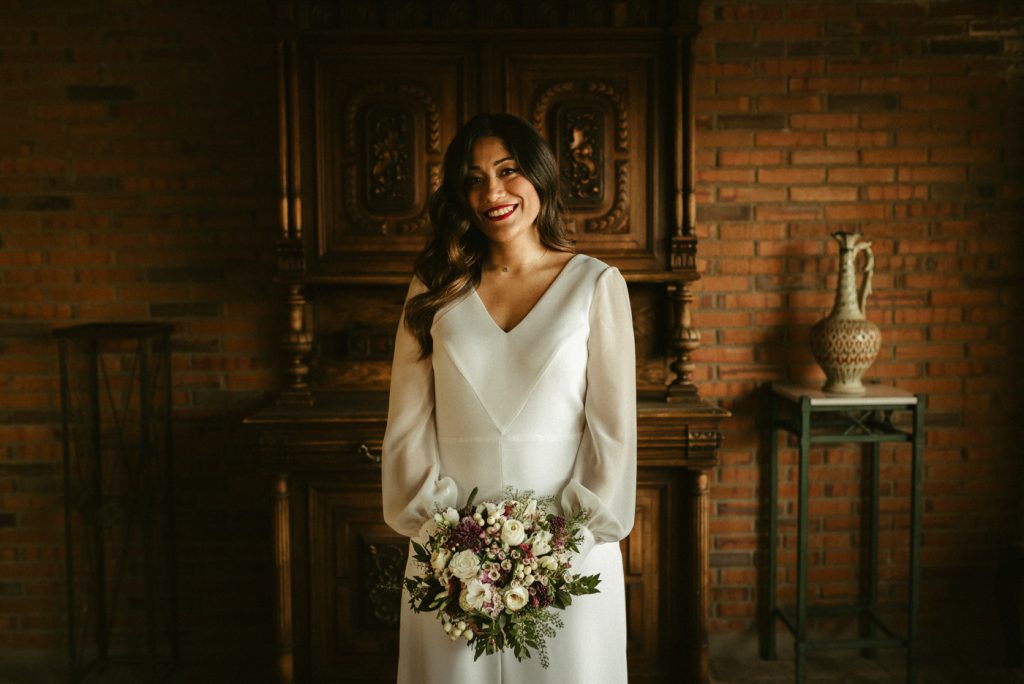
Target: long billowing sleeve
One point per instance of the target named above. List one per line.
(604, 476)
(411, 478)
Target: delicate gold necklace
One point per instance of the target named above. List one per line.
(504, 269)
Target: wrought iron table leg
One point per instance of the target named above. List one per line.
(803, 504)
(769, 650)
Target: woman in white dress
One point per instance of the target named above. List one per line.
(514, 366)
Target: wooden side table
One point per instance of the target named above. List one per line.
(817, 417)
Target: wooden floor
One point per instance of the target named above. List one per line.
(847, 669)
(734, 661)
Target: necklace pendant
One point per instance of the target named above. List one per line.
(504, 269)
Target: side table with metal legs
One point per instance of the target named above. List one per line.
(116, 406)
(816, 417)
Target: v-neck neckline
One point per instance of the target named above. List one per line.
(536, 305)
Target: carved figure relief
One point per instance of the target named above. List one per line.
(593, 165)
(392, 136)
(580, 136)
(389, 177)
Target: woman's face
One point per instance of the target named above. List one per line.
(504, 202)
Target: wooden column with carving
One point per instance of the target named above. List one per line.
(283, 572)
(684, 338)
(297, 341)
(699, 528)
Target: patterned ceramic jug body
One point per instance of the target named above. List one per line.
(845, 343)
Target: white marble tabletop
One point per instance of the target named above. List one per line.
(874, 395)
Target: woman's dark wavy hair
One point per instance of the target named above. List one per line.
(452, 261)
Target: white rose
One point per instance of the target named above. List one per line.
(513, 533)
(549, 563)
(439, 559)
(451, 516)
(516, 598)
(540, 543)
(465, 565)
(476, 593)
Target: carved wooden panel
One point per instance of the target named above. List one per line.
(597, 107)
(352, 553)
(356, 337)
(381, 121)
(641, 568)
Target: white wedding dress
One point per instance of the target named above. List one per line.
(548, 406)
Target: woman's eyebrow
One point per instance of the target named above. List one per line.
(476, 167)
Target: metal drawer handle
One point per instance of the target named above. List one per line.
(365, 452)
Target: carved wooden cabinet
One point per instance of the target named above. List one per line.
(333, 550)
(367, 121)
(370, 94)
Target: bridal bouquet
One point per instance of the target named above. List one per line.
(494, 571)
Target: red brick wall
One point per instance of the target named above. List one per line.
(902, 120)
(138, 181)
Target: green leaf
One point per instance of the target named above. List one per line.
(420, 553)
(439, 601)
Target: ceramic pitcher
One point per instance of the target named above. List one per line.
(845, 343)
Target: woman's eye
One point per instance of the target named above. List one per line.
(508, 171)
(473, 180)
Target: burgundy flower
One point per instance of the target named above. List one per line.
(556, 526)
(454, 589)
(542, 597)
(467, 535)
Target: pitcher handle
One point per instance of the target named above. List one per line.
(869, 269)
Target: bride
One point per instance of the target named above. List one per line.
(513, 366)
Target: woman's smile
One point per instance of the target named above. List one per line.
(501, 212)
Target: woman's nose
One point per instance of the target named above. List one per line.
(495, 188)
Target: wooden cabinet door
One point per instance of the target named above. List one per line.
(354, 620)
(655, 578)
(598, 104)
(642, 570)
(378, 118)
